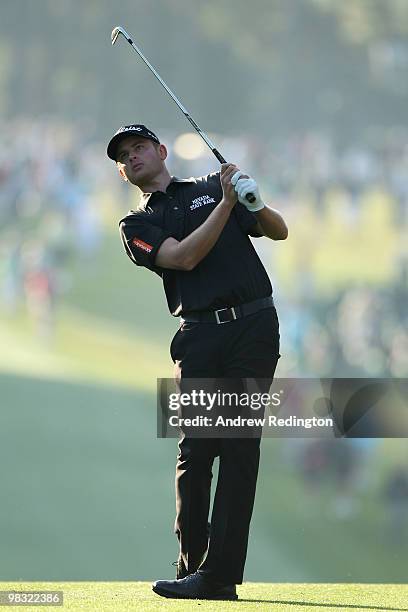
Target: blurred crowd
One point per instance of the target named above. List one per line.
(59, 194)
(50, 185)
(343, 312)
(341, 280)
(358, 332)
(351, 479)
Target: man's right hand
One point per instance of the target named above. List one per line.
(229, 194)
(187, 253)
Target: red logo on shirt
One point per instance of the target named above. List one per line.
(140, 244)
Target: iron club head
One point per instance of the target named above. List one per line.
(114, 35)
(119, 30)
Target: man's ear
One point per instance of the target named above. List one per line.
(162, 152)
(122, 172)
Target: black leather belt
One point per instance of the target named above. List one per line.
(226, 315)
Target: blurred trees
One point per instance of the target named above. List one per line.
(265, 66)
(318, 63)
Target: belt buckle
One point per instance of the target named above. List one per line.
(217, 316)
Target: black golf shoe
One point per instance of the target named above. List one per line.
(194, 586)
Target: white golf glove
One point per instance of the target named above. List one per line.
(244, 186)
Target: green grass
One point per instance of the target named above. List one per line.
(84, 482)
(130, 596)
(88, 494)
(304, 525)
(85, 348)
(87, 489)
(112, 287)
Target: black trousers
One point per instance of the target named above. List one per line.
(244, 348)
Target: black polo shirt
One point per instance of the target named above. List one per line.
(230, 274)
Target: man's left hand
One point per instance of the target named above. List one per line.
(246, 185)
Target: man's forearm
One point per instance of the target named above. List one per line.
(199, 243)
(271, 223)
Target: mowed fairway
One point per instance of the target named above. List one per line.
(124, 596)
(87, 489)
(79, 493)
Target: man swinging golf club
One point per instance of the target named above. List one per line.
(194, 233)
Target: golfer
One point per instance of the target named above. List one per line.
(194, 233)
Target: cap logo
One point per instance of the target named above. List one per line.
(133, 128)
(140, 129)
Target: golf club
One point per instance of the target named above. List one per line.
(119, 30)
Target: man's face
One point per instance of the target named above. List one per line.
(140, 160)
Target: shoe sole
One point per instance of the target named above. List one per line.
(171, 595)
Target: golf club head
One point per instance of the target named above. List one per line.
(115, 33)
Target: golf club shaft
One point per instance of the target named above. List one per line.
(119, 30)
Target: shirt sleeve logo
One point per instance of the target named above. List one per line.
(140, 244)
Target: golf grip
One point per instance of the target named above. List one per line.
(249, 196)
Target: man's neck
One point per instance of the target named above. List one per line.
(158, 183)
